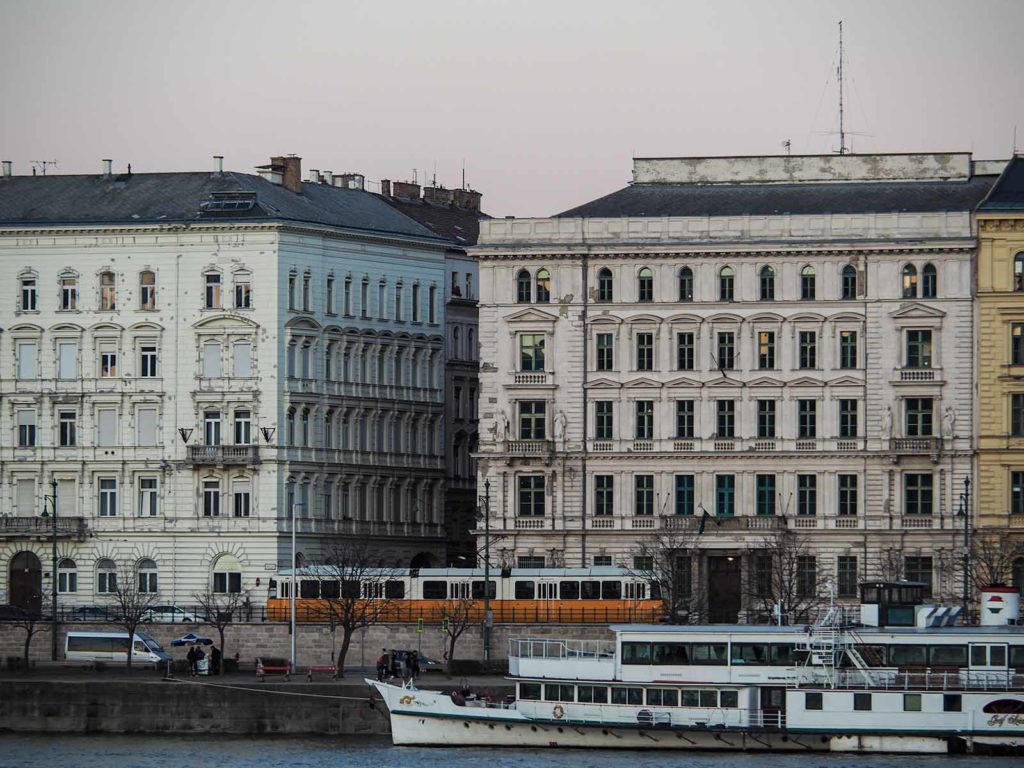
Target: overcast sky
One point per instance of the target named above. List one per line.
(546, 102)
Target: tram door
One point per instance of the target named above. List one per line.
(773, 707)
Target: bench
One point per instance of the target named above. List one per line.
(311, 670)
(272, 665)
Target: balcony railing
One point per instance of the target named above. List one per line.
(221, 455)
(42, 527)
(529, 447)
(915, 446)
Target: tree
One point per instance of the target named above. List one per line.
(132, 603)
(31, 623)
(785, 573)
(992, 558)
(459, 614)
(356, 591)
(219, 609)
(666, 561)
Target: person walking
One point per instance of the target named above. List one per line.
(382, 665)
(414, 665)
(191, 656)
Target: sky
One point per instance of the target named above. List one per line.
(543, 103)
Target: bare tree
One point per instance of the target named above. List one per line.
(666, 561)
(459, 614)
(31, 623)
(992, 558)
(219, 609)
(785, 573)
(889, 565)
(132, 603)
(356, 589)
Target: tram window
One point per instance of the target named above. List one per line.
(590, 590)
(458, 590)
(592, 694)
(671, 653)
(373, 590)
(569, 590)
(556, 692)
(908, 655)
(812, 700)
(782, 654)
(436, 590)
(751, 653)
(478, 590)
(631, 696)
(394, 589)
(330, 589)
(636, 653)
(309, 588)
(729, 699)
(636, 590)
(528, 691)
(947, 655)
(1017, 657)
(655, 591)
(525, 590)
(350, 588)
(610, 590)
(709, 653)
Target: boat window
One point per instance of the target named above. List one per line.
(911, 702)
(529, 691)
(592, 694)
(662, 697)
(611, 590)
(952, 702)
(870, 595)
(556, 692)
(1017, 657)
(478, 590)
(309, 588)
(813, 700)
(435, 590)
(1004, 707)
(330, 589)
(690, 698)
(632, 696)
(988, 655)
(947, 655)
(394, 589)
(751, 653)
(729, 699)
(671, 653)
(525, 590)
(862, 702)
(590, 590)
(570, 590)
(709, 653)
(636, 653)
(783, 654)
(908, 655)
(709, 698)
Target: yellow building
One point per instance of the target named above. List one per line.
(1000, 374)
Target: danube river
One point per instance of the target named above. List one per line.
(61, 751)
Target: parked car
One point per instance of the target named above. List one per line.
(95, 613)
(170, 614)
(17, 613)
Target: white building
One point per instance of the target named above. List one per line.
(192, 356)
(777, 341)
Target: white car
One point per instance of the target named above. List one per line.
(170, 614)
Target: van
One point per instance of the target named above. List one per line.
(112, 647)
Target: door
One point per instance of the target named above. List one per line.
(724, 596)
(26, 582)
(773, 707)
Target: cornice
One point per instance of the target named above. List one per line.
(639, 251)
(1001, 223)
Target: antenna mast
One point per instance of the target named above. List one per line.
(839, 77)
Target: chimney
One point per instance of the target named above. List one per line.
(466, 198)
(407, 189)
(437, 195)
(314, 176)
(385, 187)
(328, 178)
(218, 163)
(108, 169)
(7, 166)
(291, 172)
(357, 181)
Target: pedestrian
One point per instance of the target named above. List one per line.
(382, 664)
(201, 668)
(396, 669)
(247, 605)
(191, 660)
(414, 665)
(215, 661)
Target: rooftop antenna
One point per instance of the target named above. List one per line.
(414, 179)
(41, 165)
(839, 77)
(787, 145)
(464, 164)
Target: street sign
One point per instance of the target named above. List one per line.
(445, 626)
(419, 624)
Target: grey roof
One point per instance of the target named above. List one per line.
(1008, 193)
(460, 225)
(151, 198)
(641, 200)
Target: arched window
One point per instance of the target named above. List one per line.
(848, 278)
(909, 282)
(67, 576)
(1018, 272)
(456, 352)
(289, 359)
(523, 287)
(289, 421)
(543, 286)
(686, 284)
(645, 285)
(147, 577)
(108, 292)
(807, 286)
(605, 285)
(147, 290)
(726, 284)
(470, 344)
(767, 284)
(304, 428)
(929, 282)
(227, 575)
(106, 577)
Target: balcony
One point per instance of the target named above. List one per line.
(917, 521)
(42, 528)
(530, 447)
(915, 375)
(223, 455)
(914, 446)
(532, 379)
(643, 445)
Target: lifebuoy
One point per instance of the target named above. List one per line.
(558, 712)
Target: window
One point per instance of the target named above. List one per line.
(918, 412)
(725, 495)
(243, 427)
(26, 420)
(726, 284)
(848, 282)
(919, 569)
(543, 286)
(531, 352)
(147, 361)
(929, 282)
(242, 359)
(67, 429)
(765, 350)
(911, 702)
(643, 495)
(808, 350)
(766, 283)
(241, 497)
(952, 702)
(107, 496)
(28, 359)
(531, 495)
(604, 495)
(847, 349)
(726, 418)
(1017, 415)
(416, 302)
(685, 351)
(763, 575)
(399, 317)
(919, 349)
(917, 494)
(605, 285)
(523, 287)
(806, 575)
(211, 427)
(847, 418)
(364, 298)
(147, 577)
(108, 292)
(469, 285)
(69, 293)
(807, 287)
(1017, 343)
(29, 295)
(645, 351)
(145, 421)
(846, 576)
(532, 417)
(605, 352)
(108, 360)
(1018, 272)
(686, 284)
(766, 418)
(645, 285)
(603, 419)
(291, 292)
(106, 577)
(684, 494)
(862, 702)
(807, 495)
(306, 303)
(909, 282)
(1017, 493)
(211, 498)
(530, 561)
(813, 701)
(227, 575)
(765, 494)
(67, 360)
(644, 420)
(148, 497)
(726, 350)
(847, 501)
(807, 419)
(67, 576)
(432, 304)
(211, 359)
(347, 298)
(25, 499)
(243, 291)
(684, 419)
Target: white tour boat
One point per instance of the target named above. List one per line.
(899, 676)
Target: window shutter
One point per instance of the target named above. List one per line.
(27, 497)
(66, 497)
(27, 359)
(106, 421)
(211, 359)
(67, 353)
(146, 423)
(243, 359)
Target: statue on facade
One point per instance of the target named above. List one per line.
(948, 422)
(887, 423)
(561, 425)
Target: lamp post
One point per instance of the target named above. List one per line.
(291, 594)
(52, 498)
(487, 571)
(965, 510)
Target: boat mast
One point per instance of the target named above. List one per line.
(839, 77)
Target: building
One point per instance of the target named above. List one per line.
(1000, 365)
(189, 359)
(729, 347)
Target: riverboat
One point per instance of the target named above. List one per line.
(895, 675)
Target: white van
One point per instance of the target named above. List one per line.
(112, 647)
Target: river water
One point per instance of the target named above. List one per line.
(103, 751)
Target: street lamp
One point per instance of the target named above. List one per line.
(291, 660)
(52, 498)
(965, 512)
(487, 571)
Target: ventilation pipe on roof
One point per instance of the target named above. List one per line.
(108, 169)
(218, 163)
(314, 176)
(385, 187)
(7, 166)
(328, 178)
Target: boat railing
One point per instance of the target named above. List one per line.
(535, 648)
(890, 678)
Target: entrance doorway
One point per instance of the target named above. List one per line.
(773, 707)
(724, 597)
(26, 582)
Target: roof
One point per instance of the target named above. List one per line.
(655, 199)
(459, 225)
(1008, 192)
(160, 198)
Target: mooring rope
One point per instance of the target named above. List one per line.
(368, 698)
